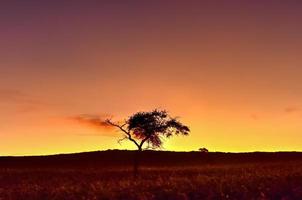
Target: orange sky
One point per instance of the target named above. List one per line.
(231, 70)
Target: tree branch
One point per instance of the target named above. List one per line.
(122, 139)
(143, 141)
(128, 135)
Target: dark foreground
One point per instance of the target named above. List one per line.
(163, 175)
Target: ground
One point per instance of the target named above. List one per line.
(186, 175)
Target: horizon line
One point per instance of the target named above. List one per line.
(193, 151)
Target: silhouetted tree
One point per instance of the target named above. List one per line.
(149, 128)
(203, 150)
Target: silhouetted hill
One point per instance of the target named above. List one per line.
(122, 158)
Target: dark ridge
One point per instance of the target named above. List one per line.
(122, 158)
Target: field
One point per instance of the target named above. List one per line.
(163, 175)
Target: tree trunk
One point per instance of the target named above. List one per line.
(136, 162)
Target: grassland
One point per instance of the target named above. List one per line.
(197, 176)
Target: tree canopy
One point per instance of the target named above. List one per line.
(150, 128)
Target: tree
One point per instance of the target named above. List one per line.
(203, 150)
(149, 128)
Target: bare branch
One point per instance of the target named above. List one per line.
(124, 131)
(122, 139)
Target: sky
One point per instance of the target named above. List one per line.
(231, 70)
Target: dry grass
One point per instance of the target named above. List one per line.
(238, 181)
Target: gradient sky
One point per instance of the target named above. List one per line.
(231, 69)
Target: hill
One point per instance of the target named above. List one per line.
(116, 158)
